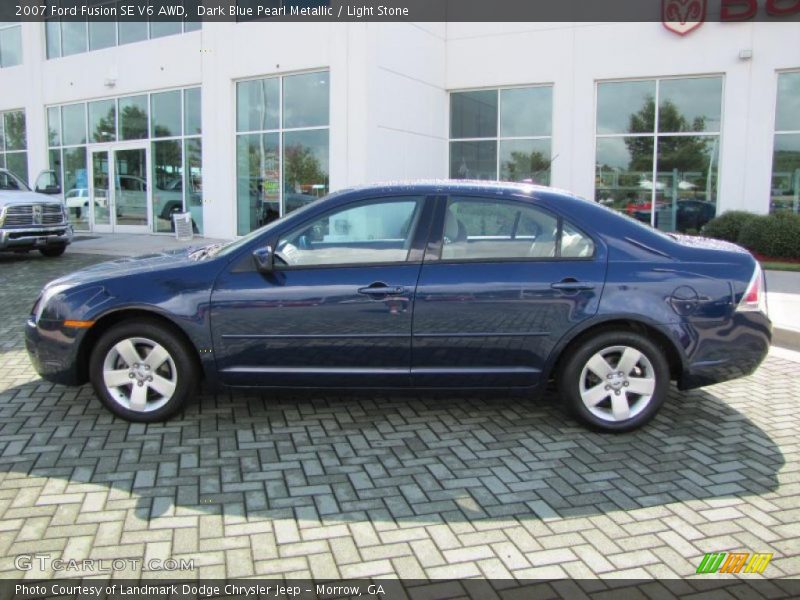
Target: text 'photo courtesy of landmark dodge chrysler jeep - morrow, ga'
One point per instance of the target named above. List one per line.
(31, 220)
(444, 284)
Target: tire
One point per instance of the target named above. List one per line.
(53, 251)
(601, 394)
(136, 398)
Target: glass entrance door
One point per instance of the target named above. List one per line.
(120, 192)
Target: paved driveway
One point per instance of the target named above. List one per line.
(416, 486)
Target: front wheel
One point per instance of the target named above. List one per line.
(142, 371)
(53, 251)
(615, 381)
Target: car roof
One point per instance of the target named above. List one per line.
(454, 185)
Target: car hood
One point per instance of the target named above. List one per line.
(8, 197)
(158, 261)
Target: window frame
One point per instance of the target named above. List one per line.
(435, 247)
(778, 132)
(498, 139)
(419, 236)
(656, 134)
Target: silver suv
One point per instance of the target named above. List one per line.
(31, 220)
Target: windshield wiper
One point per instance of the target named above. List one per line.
(206, 251)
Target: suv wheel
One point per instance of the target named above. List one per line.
(142, 371)
(615, 381)
(53, 251)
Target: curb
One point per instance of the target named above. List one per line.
(786, 338)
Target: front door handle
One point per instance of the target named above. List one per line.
(572, 285)
(381, 289)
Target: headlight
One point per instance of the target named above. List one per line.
(48, 294)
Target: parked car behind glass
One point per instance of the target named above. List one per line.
(465, 285)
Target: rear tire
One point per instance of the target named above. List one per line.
(53, 251)
(142, 371)
(615, 381)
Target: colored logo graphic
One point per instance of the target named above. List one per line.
(683, 16)
(733, 562)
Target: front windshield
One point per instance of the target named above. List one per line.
(11, 183)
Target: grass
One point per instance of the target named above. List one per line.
(772, 265)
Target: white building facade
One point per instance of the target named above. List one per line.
(239, 123)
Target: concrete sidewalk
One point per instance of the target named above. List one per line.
(783, 304)
(130, 244)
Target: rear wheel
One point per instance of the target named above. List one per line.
(142, 371)
(53, 251)
(615, 381)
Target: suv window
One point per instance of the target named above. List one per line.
(483, 229)
(10, 183)
(376, 231)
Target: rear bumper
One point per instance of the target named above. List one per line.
(728, 352)
(34, 238)
(53, 352)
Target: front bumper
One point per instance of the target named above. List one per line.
(53, 351)
(34, 238)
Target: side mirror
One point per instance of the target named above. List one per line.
(50, 190)
(264, 258)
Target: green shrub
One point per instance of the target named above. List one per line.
(728, 225)
(775, 235)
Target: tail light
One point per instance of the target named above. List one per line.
(755, 296)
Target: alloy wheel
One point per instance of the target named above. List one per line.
(139, 374)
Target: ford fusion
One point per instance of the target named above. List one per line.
(448, 285)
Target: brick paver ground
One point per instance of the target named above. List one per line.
(415, 486)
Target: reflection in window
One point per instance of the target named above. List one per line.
(519, 151)
(785, 192)
(280, 169)
(13, 143)
(73, 124)
(133, 118)
(374, 232)
(165, 114)
(167, 182)
(657, 150)
(10, 44)
(103, 121)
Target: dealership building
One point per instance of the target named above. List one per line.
(239, 123)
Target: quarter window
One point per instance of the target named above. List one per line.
(657, 150)
(375, 232)
(785, 196)
(482, 229)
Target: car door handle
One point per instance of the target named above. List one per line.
(571, 285)
(381, 289)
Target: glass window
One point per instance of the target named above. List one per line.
(305, 100)
(658, 174)
(73, 37)
(305, 167)
(689, 104)
(375, 232)
(575, 243)
(17, 163)
(473, 160)
(192, 26)
(161, 28)
(165, 114)
(53, 38)
(54, 126)
(76, 187)
(103, 121)
(73, 124)
(10, 46)
(193, 180)
(482, 228)
(257, 105)
(131, 31)
(473, 114)
(14, 130)
(192, 112)
(133, 117)
(102, 34)
(526, 111)
(525, 160)
(167, 183)
(626, 107)
(258, 180)
(788, 111)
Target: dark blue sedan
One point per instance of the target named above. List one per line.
(447, 285)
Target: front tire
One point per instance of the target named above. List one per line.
(615, 381)
(53, 251)
(142, 371)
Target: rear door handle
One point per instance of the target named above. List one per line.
(381, 289)
(572, 286)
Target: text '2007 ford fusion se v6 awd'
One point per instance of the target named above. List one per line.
(456, 285)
